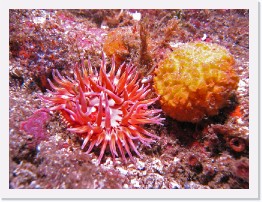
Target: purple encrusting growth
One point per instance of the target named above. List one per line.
(35, 126)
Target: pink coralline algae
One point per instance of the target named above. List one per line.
(35, 126)
(106, 107)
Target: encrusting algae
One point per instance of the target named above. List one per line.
(195, 81)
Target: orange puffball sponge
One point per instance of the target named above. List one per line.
(195, 81)
(116, 45)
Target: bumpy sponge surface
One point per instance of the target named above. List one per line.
(195, 81)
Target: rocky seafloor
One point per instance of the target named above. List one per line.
(212, 154)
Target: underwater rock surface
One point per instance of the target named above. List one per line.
(211, 154)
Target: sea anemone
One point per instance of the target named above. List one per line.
(106, 107)
(195, 81)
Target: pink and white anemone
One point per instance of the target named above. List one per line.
(107, 107)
